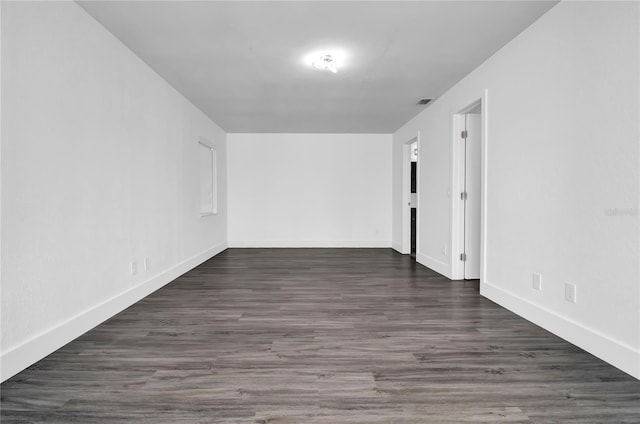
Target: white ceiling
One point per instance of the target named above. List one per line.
(242, 64)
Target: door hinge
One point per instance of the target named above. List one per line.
(463, 195)
(463, 257)
(464, 134)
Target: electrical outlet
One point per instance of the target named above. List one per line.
(147, 264)
(134, 267)
(536, 281)
(444, 249)
(570, 293)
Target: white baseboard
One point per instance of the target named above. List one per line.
(434, 264)
(397, 246)
(22, 356)
(311, 243)
(618, 354)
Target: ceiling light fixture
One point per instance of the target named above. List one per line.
(325, 60)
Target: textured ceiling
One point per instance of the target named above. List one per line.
(242, 64)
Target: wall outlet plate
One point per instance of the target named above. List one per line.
(570, 293)
(536, 281)
(134, 268)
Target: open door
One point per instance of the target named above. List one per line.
(471, 195)
(468, 191)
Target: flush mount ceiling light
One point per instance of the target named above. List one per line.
(325, 60)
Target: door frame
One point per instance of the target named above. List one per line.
(406, 195)
(457, 185)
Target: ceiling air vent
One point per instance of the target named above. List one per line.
(423, 102)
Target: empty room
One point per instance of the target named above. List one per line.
(328, 212)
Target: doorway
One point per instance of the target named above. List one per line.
(413, 197)
(410, 197)
(468, 192)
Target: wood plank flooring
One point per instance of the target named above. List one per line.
(318, 336)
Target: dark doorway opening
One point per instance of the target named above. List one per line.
(414, 217)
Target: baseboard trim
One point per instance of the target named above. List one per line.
(24, 355)
(620, 355)
(311, 243)
(434, 264)
(397, 246)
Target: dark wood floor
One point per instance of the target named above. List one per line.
(319, 336)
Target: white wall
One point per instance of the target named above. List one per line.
(298, 190)
(562, 167)
(99, 169)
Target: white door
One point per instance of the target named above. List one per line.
(472, 204)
